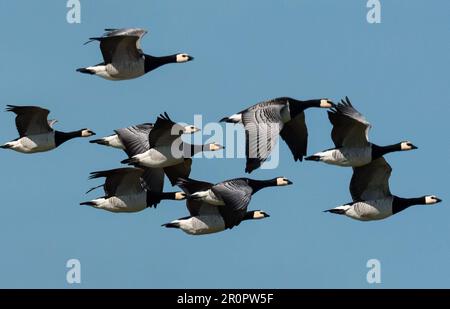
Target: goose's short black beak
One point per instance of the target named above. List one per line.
(438, 200)
(289, 182)
(266, 215)
(190, 58)
(414, 147)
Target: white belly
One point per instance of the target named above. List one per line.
(34, 143)
(203, 224)
(371, 210)
(126, 203)
(347, 156)
(159, 157)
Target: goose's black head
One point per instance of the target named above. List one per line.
(213, 147)
(194, 149)
(326, 103)
(379, 151)
(322, 103)
(407, 145)
(282, 181)
(86, 132)
(256, 215)
(152, 62)
(62, 137)
(257, 185)
(296, 107)
(400, 204)
(180, 58)
(431, 199)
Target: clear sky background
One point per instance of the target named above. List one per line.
(396, 73)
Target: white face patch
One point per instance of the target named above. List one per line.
(183, 58)
(325, 103)
(431, 199)
(190, 129)
(281, 181)
(180, 196)
(258, 215)
(87, 133)
(407, 145)
(214, 147)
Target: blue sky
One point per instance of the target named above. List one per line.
(395, 72)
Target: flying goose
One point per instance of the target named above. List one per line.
(163, 148)
(114, 141)
(350, 135)
(372, 199)
(36, 132)
(263, 122)
(123, 57)
(129, 190)
(214, 208)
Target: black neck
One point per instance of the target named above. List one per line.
(154, 198)
(152, 62)
(379, 151)
(62, 137)
(399, 204)
(257, 185)
(248, 215)
(190, 150)
(296, 107)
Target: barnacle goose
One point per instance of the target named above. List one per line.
(36, 132)
(350, 135)
(123, 57)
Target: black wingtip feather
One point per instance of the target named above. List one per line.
(95, 175)
(10, 108)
